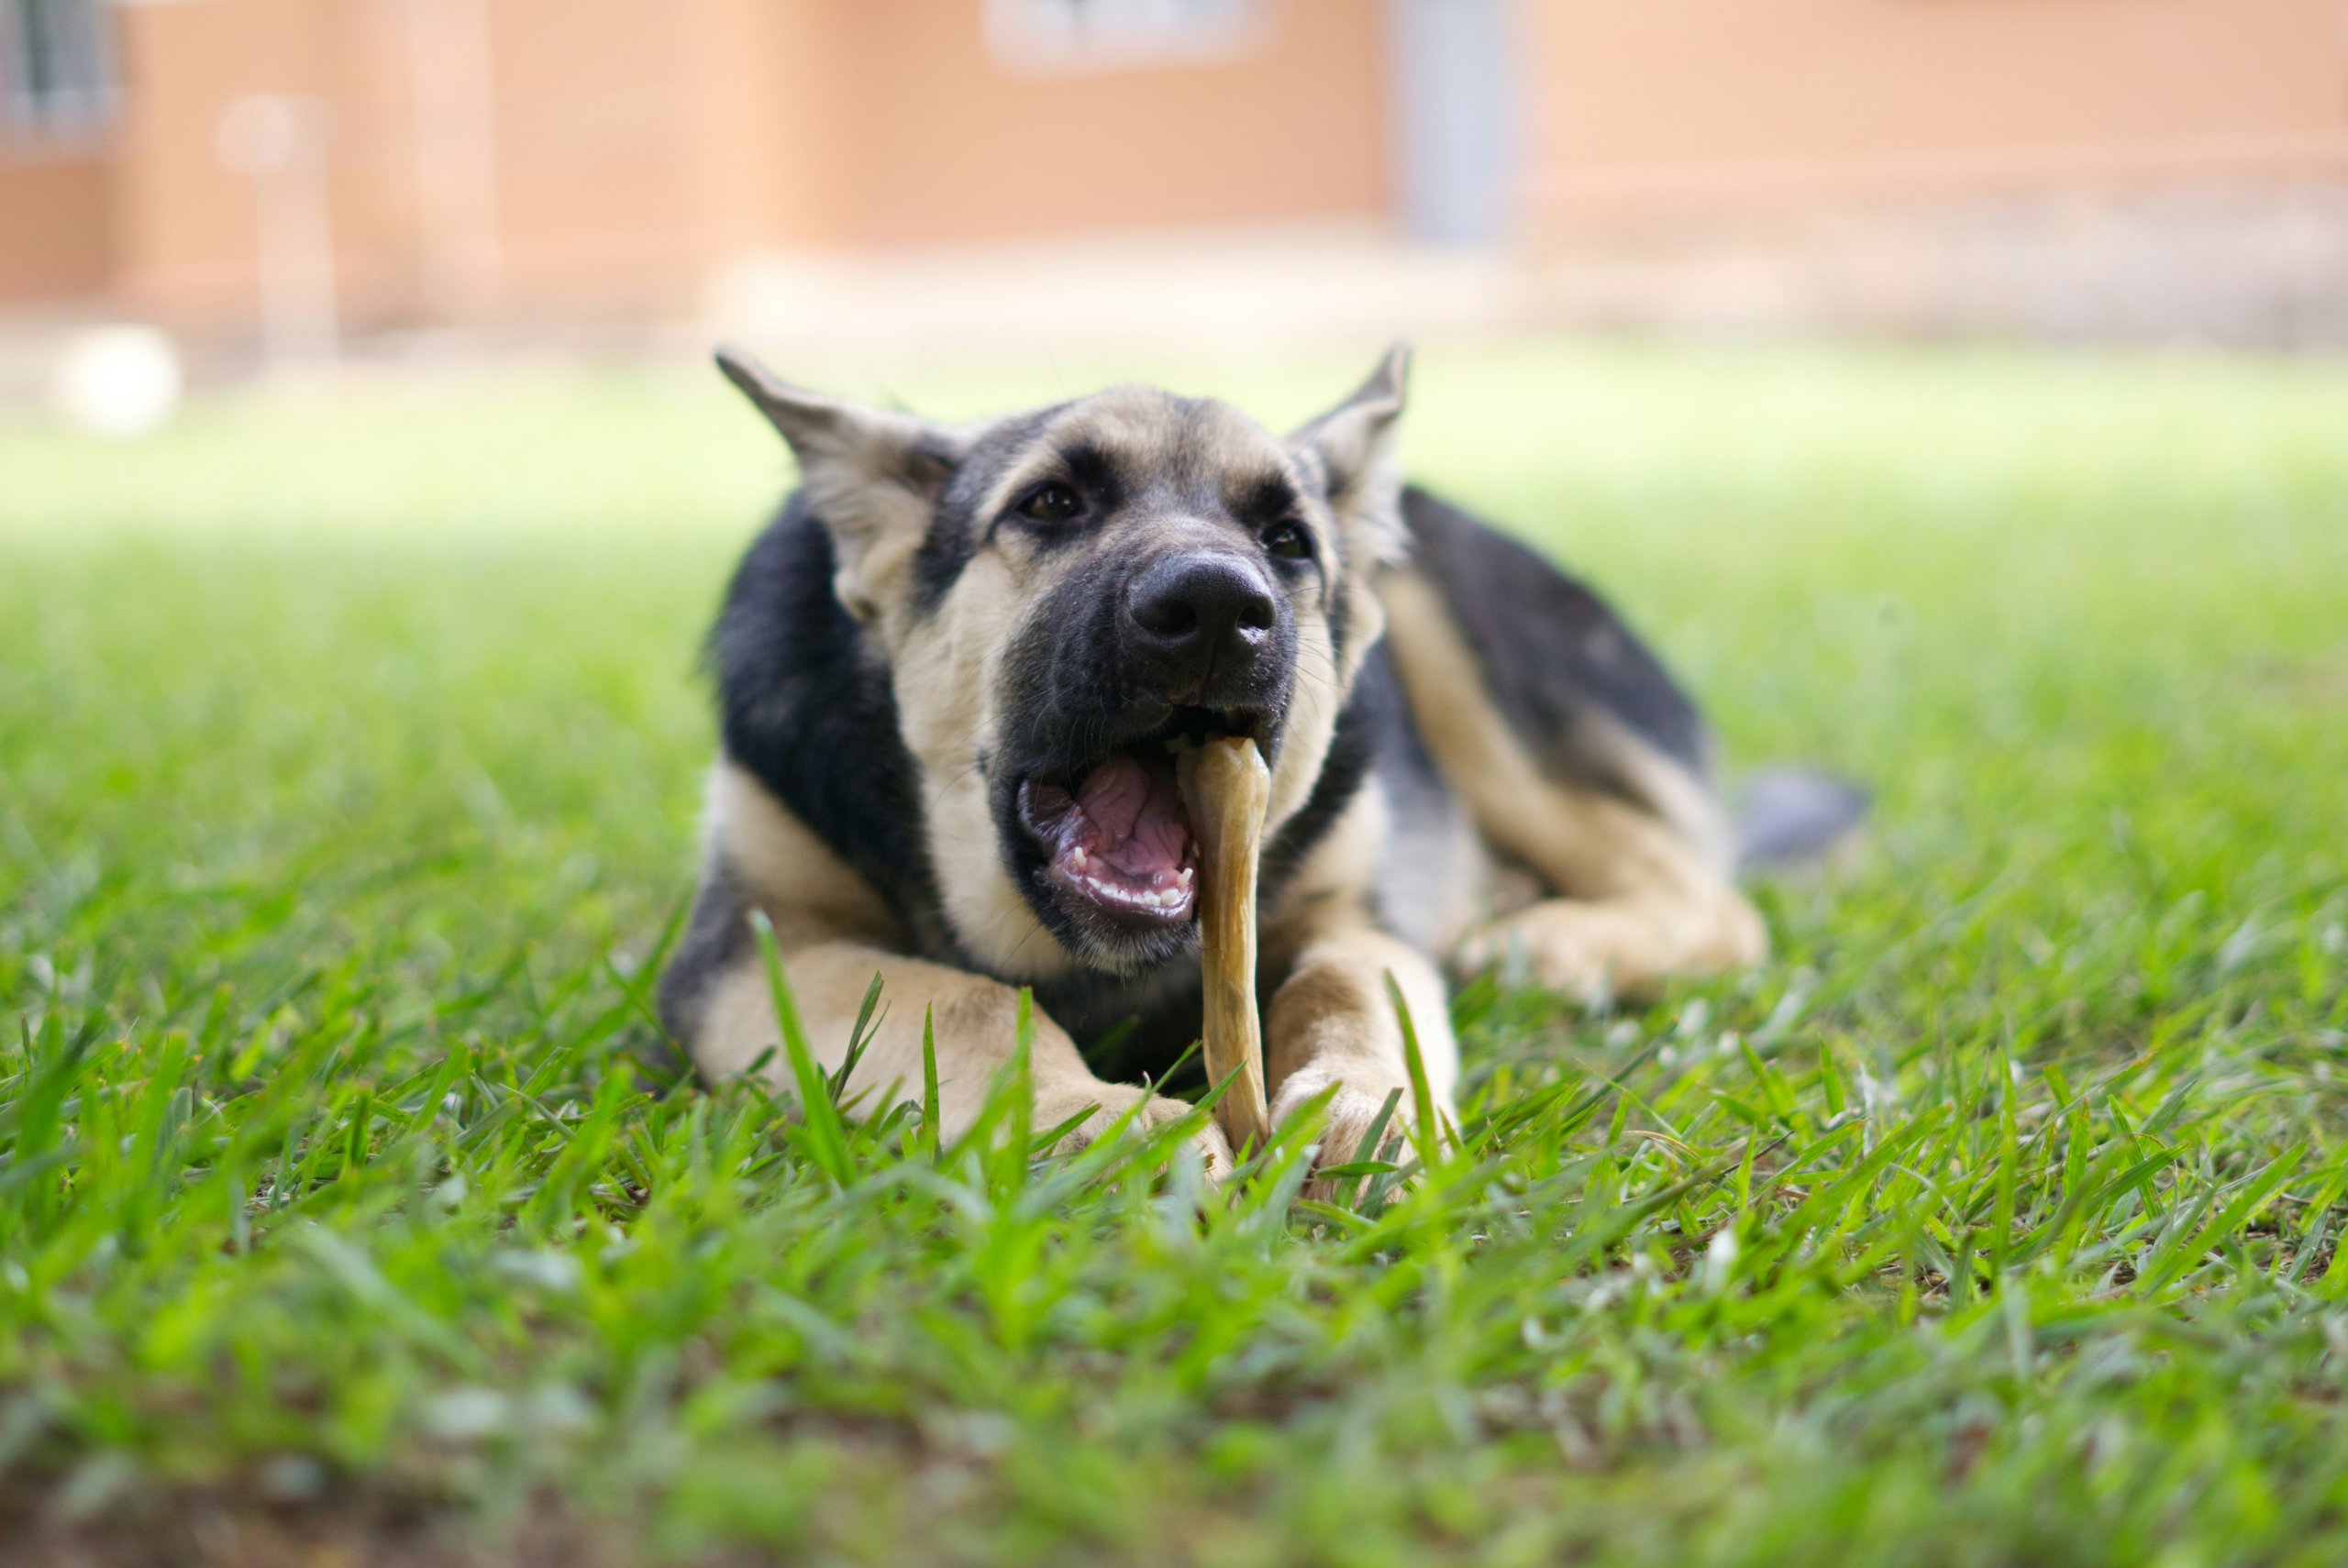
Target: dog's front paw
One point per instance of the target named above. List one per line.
(1360, 1099)
(1110, 1101)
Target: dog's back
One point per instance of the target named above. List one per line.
(1586, 769)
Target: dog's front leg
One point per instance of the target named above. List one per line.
(1333, 1022)
(976, 1032)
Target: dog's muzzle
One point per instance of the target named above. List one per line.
(1199, 644)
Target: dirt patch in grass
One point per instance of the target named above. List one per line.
(220, 1529)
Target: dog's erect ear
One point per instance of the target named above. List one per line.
(873, 475)
(1352, 446)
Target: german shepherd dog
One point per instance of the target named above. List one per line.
(949, 675)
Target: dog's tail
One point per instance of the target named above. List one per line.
(1789, 814)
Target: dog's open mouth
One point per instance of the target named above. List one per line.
(1114, 834)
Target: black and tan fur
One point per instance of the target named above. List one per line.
(1472, 757)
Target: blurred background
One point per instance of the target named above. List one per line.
(282, 183)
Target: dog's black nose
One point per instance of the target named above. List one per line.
(1195, 616)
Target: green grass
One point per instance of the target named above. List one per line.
(348, 753)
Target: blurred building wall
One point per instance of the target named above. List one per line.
(183, 225)
(556, 160)
(1667, 107)
(2096, 170)
(2108, 167)
(53, 223)
(950, 143)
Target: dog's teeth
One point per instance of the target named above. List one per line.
(1168, 893)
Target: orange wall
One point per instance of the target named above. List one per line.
(184, 226)
(639, 142)
(772, 122)
(1683, 102)
(595, 142)
(592, 198)
(633, 144)
(948, 144)
(52, 227)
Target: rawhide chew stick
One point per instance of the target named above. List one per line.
(1225, 788)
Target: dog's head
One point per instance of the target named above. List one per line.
(1064, 595)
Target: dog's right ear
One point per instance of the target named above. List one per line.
(873, 475)
(1352, 449)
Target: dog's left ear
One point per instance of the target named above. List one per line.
(1351, 447)
(873, 475)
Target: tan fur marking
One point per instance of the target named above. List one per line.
(1314, 704)
(1583, 842)
(1624, 946)
(1331, 889)
(1678, 797)
(1134, 422)
(946, 676)
(1354, 445)
(1330, 1020)
(1333, 1022)
(975, 1032)
(1334, 1013)
(805, 889)
(1657, 904)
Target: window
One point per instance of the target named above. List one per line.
(56, 64)
(1054, 35)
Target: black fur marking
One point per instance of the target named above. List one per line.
(1075, 688)
(956, 532)
(1260, 502)
(945, 551)
(717, 935)
(1315, 469)
(1338, 609)
(809, 712)
(1093, 475)
(1064, 703)
(1128, 1030)
(1549, 649)
(1096, 478)
(1080, 680)
(1353, 751)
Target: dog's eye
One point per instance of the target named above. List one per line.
(1287, 541)
(1053, 503)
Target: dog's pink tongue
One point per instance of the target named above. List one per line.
(1136, 815)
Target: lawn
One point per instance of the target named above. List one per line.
(350, 748)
